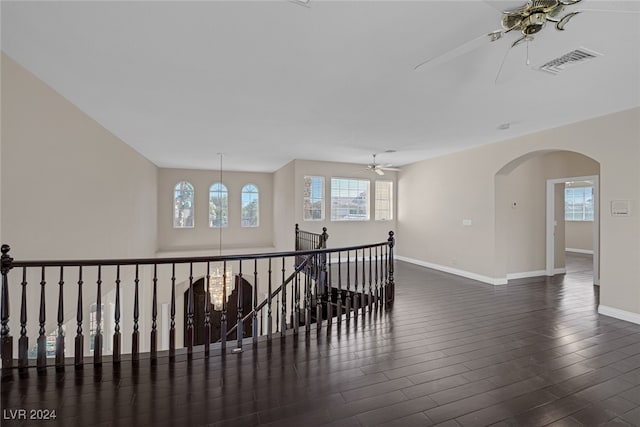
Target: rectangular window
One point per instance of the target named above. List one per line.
(349, 199)
(313, 209)
(578, 204)
(384, 200)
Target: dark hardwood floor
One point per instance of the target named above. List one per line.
(452, 352)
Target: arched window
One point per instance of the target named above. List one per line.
(250, 206)
(218, 205)
(183, 205)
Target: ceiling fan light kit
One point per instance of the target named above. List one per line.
(533, 23)
(528, 19)
(532, 17)
(378, 168)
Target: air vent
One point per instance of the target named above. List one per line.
(575, 57)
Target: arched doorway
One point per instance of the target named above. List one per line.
(529, 212)
(216, 315)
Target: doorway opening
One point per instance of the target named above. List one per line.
(572, 210)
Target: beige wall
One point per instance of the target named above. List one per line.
(434, 196)
(70, 188)
(525, 186)
(342, 233)
(1, 138)
(203, 237)
(283, 213)
(463, 185)
(281, 203)
(579, 235)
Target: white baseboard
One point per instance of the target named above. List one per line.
(559, 271)
(457, 272)
(578, 251)
(619, 314)
(526, 274)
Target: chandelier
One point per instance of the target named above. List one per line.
(220, 286)
(221, 282)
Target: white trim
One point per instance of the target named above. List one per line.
(559, 271)
(322, 200)
(369, 199)
(550, 244)
(550, 233)
(457, 272)
(619, 314)
(579, 251)
(526, 274)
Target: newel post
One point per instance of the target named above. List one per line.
(391, 284)
(325, 236)
(323, 263)
(6, 341)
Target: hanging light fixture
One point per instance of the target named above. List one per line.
(221, 282)
(220, 286)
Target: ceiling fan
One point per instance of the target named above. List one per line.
(379, 169)
(528, 19)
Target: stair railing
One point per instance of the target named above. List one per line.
(129, 293)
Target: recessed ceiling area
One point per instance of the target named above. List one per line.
(266, 82)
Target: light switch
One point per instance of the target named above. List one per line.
(467, 222)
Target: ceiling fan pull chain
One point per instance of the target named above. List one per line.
(528, 62)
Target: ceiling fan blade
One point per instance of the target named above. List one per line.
(609, 10)
(464, 48)
(525, 38)
(560, 23)
(569, 2)
(304, 3)
(565, 19)
(504, 59)
(379, 171)
(506, 55)
(391, 169)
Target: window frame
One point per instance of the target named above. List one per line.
(257, 198)
(585, 212)
(376, 199)
(226, 192)
(367, 203)
(311, 200)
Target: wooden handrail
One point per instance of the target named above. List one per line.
(307, 289)
(275, 293)
(183, 260)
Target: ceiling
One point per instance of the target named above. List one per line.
(266, 82)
